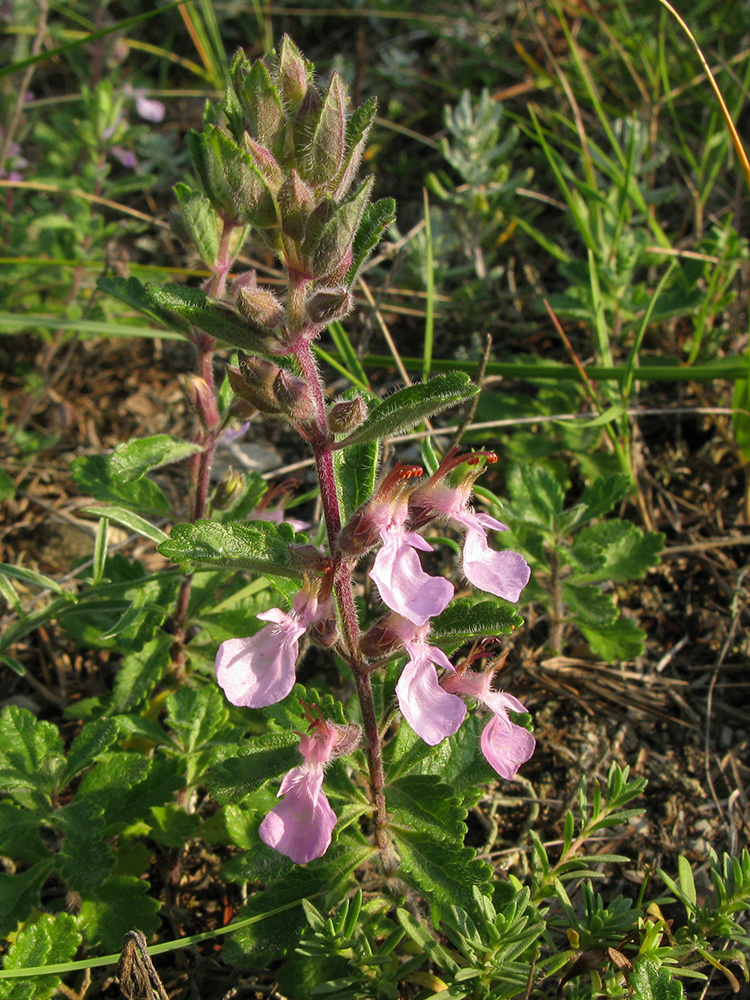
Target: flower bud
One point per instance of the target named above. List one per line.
(295, 74)
(253, 382)
(324, 632)
(228, 490)
(381, 639)
(359, 534)
(294, 396)
(260, 306)
(203, 400)
(324, 154)
(328, 304)
(346, 415)
(308, 559)
(295, 203)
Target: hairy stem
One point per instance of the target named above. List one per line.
(344, 590)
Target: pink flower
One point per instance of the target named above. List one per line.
(504, 574)
(301, 825)
(403, 585)
(447, 493)
(504, 744)
(431, 711)
(260, 670)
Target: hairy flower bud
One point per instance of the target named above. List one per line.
(346, 415)
(228, 490)
(324, 632)
(260, 306)
(294, 396)
(253, 381)
(308, 559)
(381, 639)
(328, 304)
(203, 400)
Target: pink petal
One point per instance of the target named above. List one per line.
(506, 745)
(504, 574)
(404, 586)
(300, 826)
(259, 670)
(431, 712)
(148, 108)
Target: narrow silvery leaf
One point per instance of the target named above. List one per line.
(408, 406)
(256, 547)
(132, 292)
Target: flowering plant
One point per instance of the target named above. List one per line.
(282, 158)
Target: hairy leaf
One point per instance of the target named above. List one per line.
(255, 547)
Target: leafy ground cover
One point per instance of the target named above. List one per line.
(569, 233)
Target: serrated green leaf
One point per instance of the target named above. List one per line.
(31, 759)
(172, 826)
(466, 618)
(356, 470)
(93, 475)
(421, 802)
(19, 834)
(627, 552)
(621, 640)
(589, 604)
(49, 940)
(133, 459)
(255, 547)
(196, 716)
(125, 517)
(650, 981)
(459, 762)
(408, 406)
(232, 780)
(95, 737)
(140, 672)
(85, 863)
(598, 499)
(441, 871)
(115, 908)
(21, 893)
(537, 494)
(326, 881)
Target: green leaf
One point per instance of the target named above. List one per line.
(115, 908)
(215, 318)
(95, 737)
(19, 834)
(650, 981)
(621, 640)
(140, 672)
(7, 486)
(85, 863)
(687, 881)
(589, 604)
(254, 547)
(196, 716)
(408, 406)
(459, 761)
(741, 417)
(172, 826)
(626, 551)
(31, 759)
(325, 880)
(265, 757)
(201, 222)
(441, 871)
(375, 219)
(120, 476)
(125, 517)
(421, 802)
(598, 498)
(356, 470)
(133, 292)
(537, 494)
(37, 579)
(466, 618)
(20, 894)
(48, 941)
